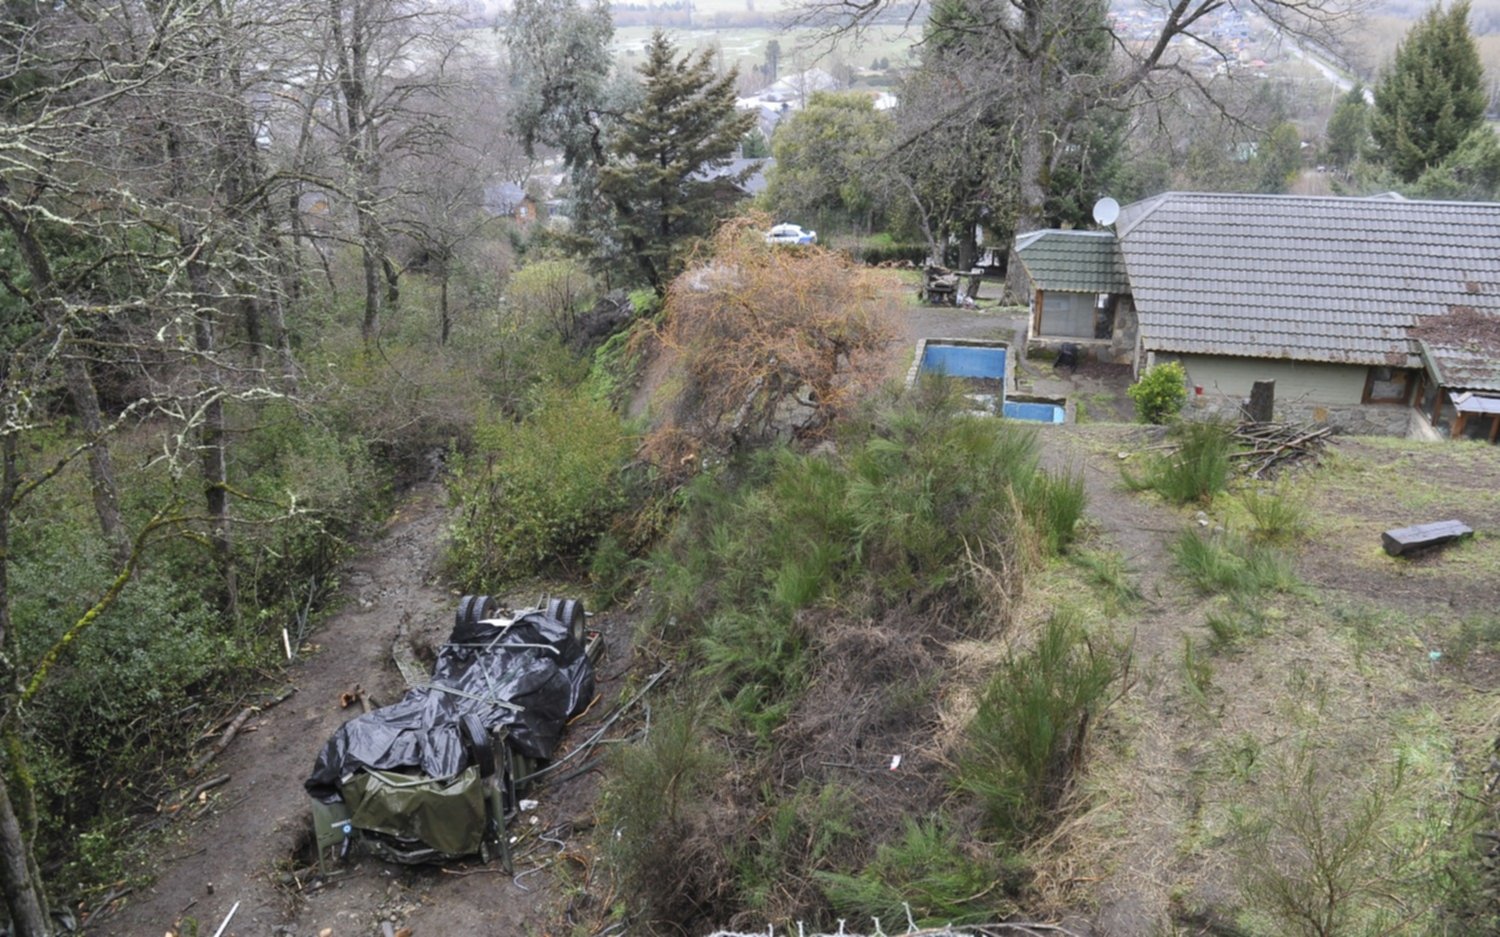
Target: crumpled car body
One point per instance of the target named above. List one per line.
(434, 775)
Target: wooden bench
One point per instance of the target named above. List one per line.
(1405, 540)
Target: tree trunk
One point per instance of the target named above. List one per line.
(19, 882)
(80, 385)
(212, 441)
(101, 467)
(445, 324)
(23, 892)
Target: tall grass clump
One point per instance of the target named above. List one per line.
(1197, 470)
(1227, 563)
(1055, 503)
(1030, 731)
(537, 493)
(655, 802)
(928, 874)
(1277, 518)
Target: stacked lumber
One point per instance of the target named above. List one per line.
(1273, 446)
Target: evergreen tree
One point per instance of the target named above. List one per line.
(1432, 97)
(1278, 159)
(660, 155)
(1348, 128)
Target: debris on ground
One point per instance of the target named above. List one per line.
(1274, 446)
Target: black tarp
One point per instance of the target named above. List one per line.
(533, 663)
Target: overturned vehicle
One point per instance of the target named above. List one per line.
(436, 775)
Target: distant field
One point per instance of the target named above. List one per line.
(746, 47)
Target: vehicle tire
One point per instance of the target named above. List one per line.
(482, 607)
(570, 613)
(461, 615)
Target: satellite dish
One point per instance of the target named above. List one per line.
(1106, 210)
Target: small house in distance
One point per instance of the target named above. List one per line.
(1079, 292)
(1377, 315)
(510, 200)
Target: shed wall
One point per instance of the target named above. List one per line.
(1296, 381)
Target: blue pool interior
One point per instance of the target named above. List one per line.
(965, 360)
(1035, 412)
(988, 361)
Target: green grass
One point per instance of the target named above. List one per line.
(1028, 736)
(1195, 472)
(1229, 564)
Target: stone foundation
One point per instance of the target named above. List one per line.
(1354, 419)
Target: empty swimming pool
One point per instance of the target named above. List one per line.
(964, 360)
(1035, 412)
(982, 365)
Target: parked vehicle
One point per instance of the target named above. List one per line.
(791, 234)
(437, 775)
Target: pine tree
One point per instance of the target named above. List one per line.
(1348, 128)
(1432, 97)
(660, 154)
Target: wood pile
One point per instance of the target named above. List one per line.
(1274, 446)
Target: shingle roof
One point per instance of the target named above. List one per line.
(1307, 278)
(1463, 367)
(1073, 261)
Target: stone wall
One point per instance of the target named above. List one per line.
(1354, 419)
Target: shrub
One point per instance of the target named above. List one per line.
(537, 493)
(549, 295)
(615, 369)
(928, 874)
(1196, 471)
(1160, 393)
(767, 344)
(875, 254)
(1032, 725)
(611, 569)
(111, 713)
(669, 861)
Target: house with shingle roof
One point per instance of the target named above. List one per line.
(1079, 291)
(1376, 314)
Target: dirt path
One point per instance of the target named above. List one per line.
(1133, 891)
(243, 849)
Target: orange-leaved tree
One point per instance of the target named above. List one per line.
(766, 341)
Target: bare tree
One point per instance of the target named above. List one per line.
(385, 58)
(1019, 48)
(128, 179)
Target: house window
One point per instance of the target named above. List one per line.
(521, 211)
(1388, 385)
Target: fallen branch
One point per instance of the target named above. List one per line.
(222, 743)
(198, 791)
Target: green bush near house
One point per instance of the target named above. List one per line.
(1160, 393)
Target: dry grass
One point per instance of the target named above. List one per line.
(1344, 668)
